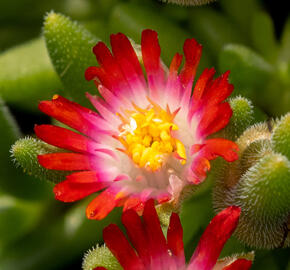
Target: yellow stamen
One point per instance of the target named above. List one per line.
(146, 135)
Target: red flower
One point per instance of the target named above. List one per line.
(149, 138)
(152, 251)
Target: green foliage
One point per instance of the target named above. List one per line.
(100, 256)
(17, 217)
(281, 136)
(26, 75)
(12, 180)
(70, 48)
(249, 71)
(213, 30)
(25, 152)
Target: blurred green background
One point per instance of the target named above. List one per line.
(249, 37)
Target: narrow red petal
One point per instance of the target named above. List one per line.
(192, 52)
(213, 239)
(220, 147)
(78, 185)
(121, 248)
(175, 238)
(63, 138)
(137, 235)
(65, 161)
(151, 52)
(239, 264)
(123, 50)
(101, 206)
(156, 238)
(214, 118)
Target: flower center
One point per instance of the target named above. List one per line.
(147, 136)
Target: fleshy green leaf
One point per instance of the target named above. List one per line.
(213, 29)
(263, 36)
(281, 136)
(249, 71)
(12, 180)
(26, 75)
(25, 152)
(70, 48)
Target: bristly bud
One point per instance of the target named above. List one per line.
(189, 2)
(281, 136)
(102, 257)
(259, 183)
(25, 152)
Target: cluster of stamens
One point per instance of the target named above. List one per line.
(147, 137)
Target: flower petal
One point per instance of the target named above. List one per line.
(121, 248)
(239, 264)
(213, 239)
(78, 185)
(175, 238)
(137, 234)
(65, 161)
(102, 205)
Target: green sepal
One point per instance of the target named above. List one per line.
(27, 75)
(250, 73)
(25, 152)
(70, 48)
(100, 256)
(263, 36)
(213, 29)
(281, 136)
(131, 19)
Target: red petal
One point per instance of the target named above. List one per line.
(78, 185)
(192, 52)
(63, 138)
(69, 113)
(123, 51)
(239, 264)
(175, 238)
(101, 206)
(220, 147)
(219, 90)
(65, 161)
(137, 235)
(121, 249)
(151, 57)
(213, 239)
(100, 268)
(156, 238)
(215, 117)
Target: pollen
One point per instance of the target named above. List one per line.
(147, 137)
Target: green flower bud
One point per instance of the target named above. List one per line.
(70, 48)
(100, 256)
(281, 136)
(25, 152)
